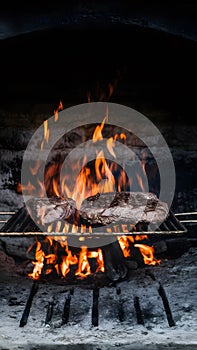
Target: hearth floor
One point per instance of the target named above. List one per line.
(177, 276)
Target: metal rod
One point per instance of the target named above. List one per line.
(49, 313)
(7, 212)
(95, 234)
(163, 296)
(138, 310)
(188, 221)
(189, 213)
(166, 305)
(95, 313)
(120, 305)
(66, 311)
(27, 309)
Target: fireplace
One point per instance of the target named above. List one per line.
(111, 287)
(67, 259)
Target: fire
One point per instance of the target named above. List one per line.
(35, 169)
(28, 189)
(39, 264)
(140, 182)
(100, 178)
(97, 136)
(146, 250)
(60, 108)
(148, 254)
(49, 260)
(46, 134)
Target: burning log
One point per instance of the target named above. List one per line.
(114, 261)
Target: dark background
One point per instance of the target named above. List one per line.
(66, 50)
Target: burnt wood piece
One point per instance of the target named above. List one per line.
(120, 305)
(26, 312)
(166, 305)
(95, 312)
(176, 247)
(135, 256)
(114, 261)
(138, 310)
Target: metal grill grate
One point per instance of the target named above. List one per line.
(20, 224)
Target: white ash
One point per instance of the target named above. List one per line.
(177, 276)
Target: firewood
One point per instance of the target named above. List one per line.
(114, 261)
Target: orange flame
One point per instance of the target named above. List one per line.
(63, 268)
(148, 254)
(140, 182)
(60, 108)
(67, 261)
(38, 265)
(36, 168)
(27, 189)
(110, 145)
(97, 136)
(146, 251)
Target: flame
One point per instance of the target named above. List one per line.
(60, 108)
(67, 261)
(143, 162)
(110, 145)
(50, 259)
(97, 136)
(140, 182)
(86, 185)
(87, 182)
(36, 168)
(28, 189)
(124, 245)
(83, 264)
(39, 264)
(148, 254)
(146, 250)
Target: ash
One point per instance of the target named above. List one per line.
(177, 276)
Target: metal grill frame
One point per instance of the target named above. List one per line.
(170, 226)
